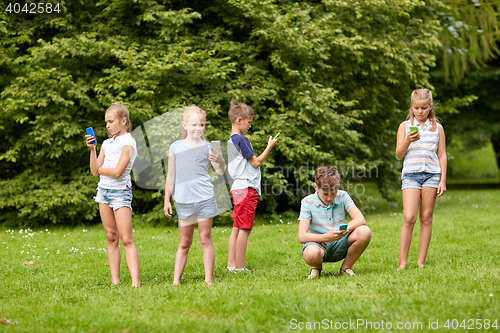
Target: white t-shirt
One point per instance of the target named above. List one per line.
(112, 151)
(239, 150)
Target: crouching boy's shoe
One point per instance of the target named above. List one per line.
(314, 273)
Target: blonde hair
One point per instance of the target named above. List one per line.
(423, 95)
(239, 109)
(192, 109)
(121, 112)
(327, 178)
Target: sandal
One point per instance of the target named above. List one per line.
(347, 271)
(314, 273)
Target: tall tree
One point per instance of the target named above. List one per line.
(477, 122)
(469, 59)
(470, 35)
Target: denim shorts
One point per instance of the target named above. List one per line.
(203, 210)
(116, 199)
(334, 251)
(417, 180)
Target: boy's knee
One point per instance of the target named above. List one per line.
(313, 254)
(364, 233)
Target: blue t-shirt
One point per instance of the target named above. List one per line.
(239, 150)
(192, 181)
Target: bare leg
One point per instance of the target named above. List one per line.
(313, 256)
(109, 224)
(205, 230)
(231, 248)
(185, 241)
(411, 198)
(241, 248)
(426, 211)
(359, 239)
(123, 217)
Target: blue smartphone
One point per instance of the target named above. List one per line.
(343, 227)
(90, 131)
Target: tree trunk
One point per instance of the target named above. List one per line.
(495, 141)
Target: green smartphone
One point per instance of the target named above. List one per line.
(343, 227)
(277, 136)
(413, 129)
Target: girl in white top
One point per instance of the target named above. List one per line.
(424, 171)
(114, 192)
(194, 195)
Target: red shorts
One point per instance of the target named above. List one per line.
(245, 204)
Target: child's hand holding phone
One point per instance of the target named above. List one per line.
(334, 235)
(215, 154)
(90, 137)
(413, 135)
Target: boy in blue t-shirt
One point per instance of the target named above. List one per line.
(244, 169)
(321, 215)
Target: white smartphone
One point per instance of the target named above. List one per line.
(215, 146)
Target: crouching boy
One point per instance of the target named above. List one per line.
(321, 215)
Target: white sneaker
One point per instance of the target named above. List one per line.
(244, 269)
(231, 269)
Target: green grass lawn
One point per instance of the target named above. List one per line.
(67, 289)
(477, 166)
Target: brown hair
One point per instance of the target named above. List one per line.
(188, 112)
(242, 110)
(327, 178)
(426, 95)
(121, 112)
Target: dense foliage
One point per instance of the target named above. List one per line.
(470, 34)
(468, 71)
(478, 123)
(333, 77)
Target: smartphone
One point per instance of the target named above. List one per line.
(215, 146)
(343, 227)
(413, 129)
(90, 131)
(277, 136)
